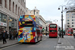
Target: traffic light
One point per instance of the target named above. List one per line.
(59, 28)
(43, 30)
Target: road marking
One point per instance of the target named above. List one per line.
(58, 44)
(72, 47)
(65, 47)
(69, 42)
(69, 47)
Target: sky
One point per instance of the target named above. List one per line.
(48, 9)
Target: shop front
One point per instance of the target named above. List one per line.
(2, 27)
(12, 26)
(3, 23)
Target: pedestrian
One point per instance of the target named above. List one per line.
(4, 35)
(59, 34)
(46, 34)
(13, 35)
(16, 34)
(10, 37)
(7, 34)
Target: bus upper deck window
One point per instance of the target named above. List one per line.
(52, 26)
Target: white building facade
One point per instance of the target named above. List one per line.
(10, 10)
(47, 25)
(70, 20)
(36, 13)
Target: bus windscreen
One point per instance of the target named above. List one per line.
(28, 22)
(26, 25)
(52, 26)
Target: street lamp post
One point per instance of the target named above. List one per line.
(62, 18)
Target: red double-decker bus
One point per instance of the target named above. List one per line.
(53, 30)
(69, 32)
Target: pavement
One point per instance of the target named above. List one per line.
(65, 44)
(9, 43)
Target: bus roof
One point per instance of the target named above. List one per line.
(52, 23)
(27, 18)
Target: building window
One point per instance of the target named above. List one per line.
(21, 12)
(4, 18)
(67, 17)
(16, 9)
(37, 12)
(5, 3)
(72, 25)
(15, 21)
(13, 7)
(67, 23)
(0, 1)
(26, 10)
(9, 4)
(24, 4)
(21, 2)
(12, 23)
(0, 16)
(67, 26)
(73, 16)
(67, 20)
(72, 22)
(67, 14)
